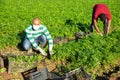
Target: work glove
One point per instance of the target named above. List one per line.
(101, 34)
(51, 53)
(42, 52)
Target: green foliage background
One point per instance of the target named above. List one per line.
(90, 52)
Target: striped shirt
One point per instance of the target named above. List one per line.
(33, 34)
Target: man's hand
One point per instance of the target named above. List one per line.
(96, 26)
(51, 53)
(108, 27)
(42, 52)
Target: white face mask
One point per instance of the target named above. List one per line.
(36, 27)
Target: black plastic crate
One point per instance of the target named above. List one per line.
(42, 74)
(26, 74)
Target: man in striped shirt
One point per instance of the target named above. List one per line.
(37, 34)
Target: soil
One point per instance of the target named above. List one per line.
(51, 65)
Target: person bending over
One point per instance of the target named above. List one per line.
(101, 11)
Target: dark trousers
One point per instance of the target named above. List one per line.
(42, 40)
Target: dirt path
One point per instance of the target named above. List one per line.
(51, 65)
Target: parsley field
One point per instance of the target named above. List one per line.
(65, 18)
